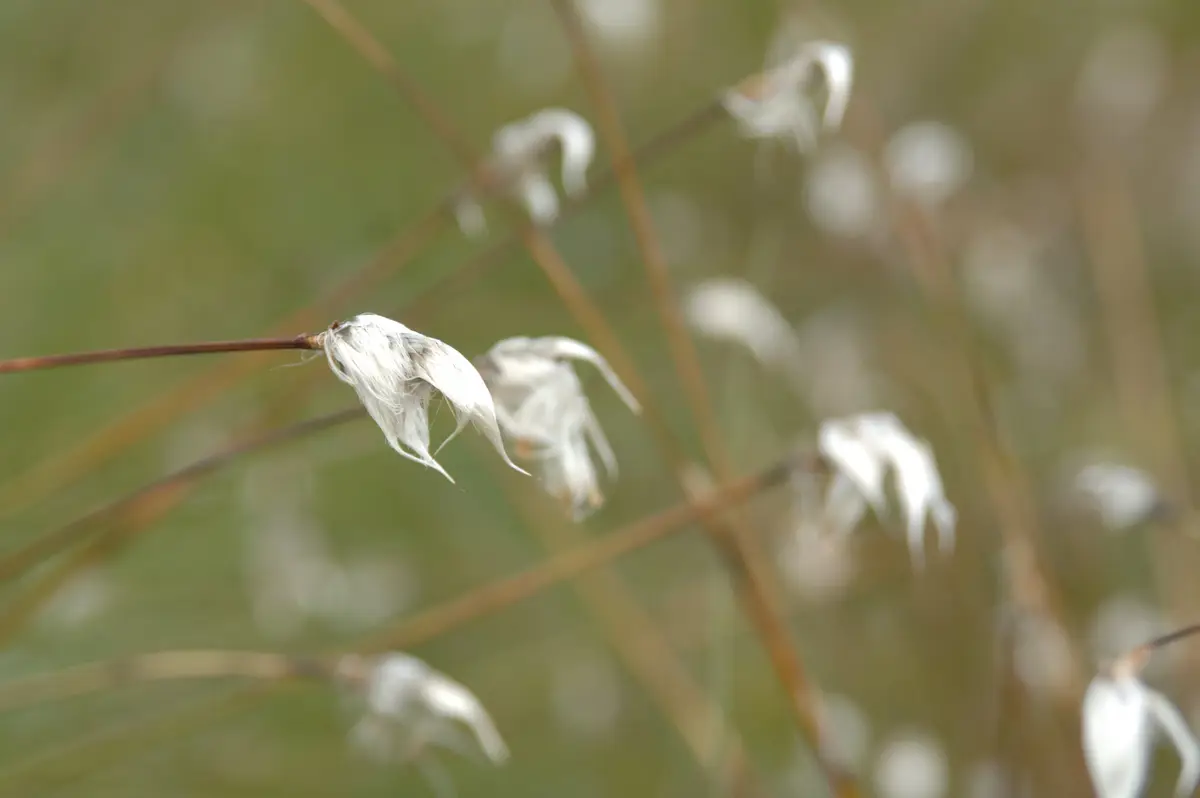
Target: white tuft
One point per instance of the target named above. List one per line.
(541, 405)
(862, 449)
(1119, 718)
(396, 371)
(410, 705)
(774, 104)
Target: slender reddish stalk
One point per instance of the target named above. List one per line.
(144, 420)
(739, 549)
(38, 363)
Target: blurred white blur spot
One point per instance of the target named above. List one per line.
(409, 706)
(291, 575)
(837, 356)
(1123, 79)
(731, 309)
(774, 104)
(621, 23)
(1008, 281)
(586, 695)
(815, 566)
(990, 779)
(519, 166)
(928, 162)
(218, 77)
(862, 450)
(841, 195)
(1122, 496)
(847, 731)
(1124, 622)
(1042, 657)
(532, 54)
(82, 599)
(691, 233)
(912, 765)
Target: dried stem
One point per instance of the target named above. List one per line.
(145, 419)
(646, 652)
(758, 605)
(161, 666)
(1125, 292)
(198, 391)
(39, 363)
(36, 774)
(755, 580)
(478, 603)
(14, 563)
(1024, 577)
(498, 595)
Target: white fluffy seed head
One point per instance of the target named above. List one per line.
(862, 449)
(1120, 717)
(541, 405)
(396, 371)
(409, 705)
(774, 104)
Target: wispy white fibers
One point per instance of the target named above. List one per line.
(1120, 718)
(775, 104)
(409, 705)
(862, 449)
(396, 371)
(541, 406)
(518, 166)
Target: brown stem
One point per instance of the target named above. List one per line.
(739, 548)
(145, 419)
(483, 601)
(14, 563)
(38, 363)
(161, 666)
(503, 593)
(757, 604)
(644, 649)
(1170, 637)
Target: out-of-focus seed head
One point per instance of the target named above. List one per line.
(541, 406)
(409, 705)
(517, 166)
(775, 104)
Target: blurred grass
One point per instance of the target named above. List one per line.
(263, 159)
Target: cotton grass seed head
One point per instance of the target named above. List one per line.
(410, 706)
(862, 449)
(1121, 716)
(542, 407)
(397, 371)
(775, 104)
(518, 166)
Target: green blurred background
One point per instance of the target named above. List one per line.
(189, 171)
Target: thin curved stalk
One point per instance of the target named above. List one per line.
(41, 362)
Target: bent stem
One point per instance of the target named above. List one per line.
(737, 544)
(478, 603)
(192, 394)
(37, 363)
(646, 652)
(137, 512)
(758, 605)
(162, 666)
(16, 562)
